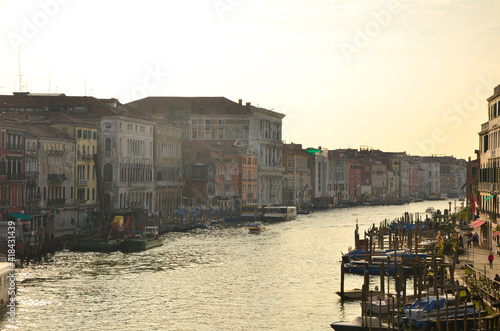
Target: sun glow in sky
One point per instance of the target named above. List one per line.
(397, 75)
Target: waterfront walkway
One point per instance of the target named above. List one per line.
(478, 258)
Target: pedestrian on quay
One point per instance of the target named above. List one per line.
(491, 257)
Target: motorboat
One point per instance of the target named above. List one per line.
(431, 308)
(379, 304)
(356, 293)
(256, 228)
(430, 210)
(360, 324)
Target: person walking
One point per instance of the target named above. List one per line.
(491, 257)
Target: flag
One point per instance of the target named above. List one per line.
(475, 211)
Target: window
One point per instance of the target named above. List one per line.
(194, 133)
(107, 125)
(107, 145)
(108, 173)
(221, 133)
(207, 122)
(207, 133)
(221, 122)
(94, 135)
(194, 122)
(79, 133)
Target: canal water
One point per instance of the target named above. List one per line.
(222, 278)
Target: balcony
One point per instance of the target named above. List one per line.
(82, 182)
(31, 174)
(55, 153)
(15, 177)
(14, 147)
(56, 202)
(84, 157)
(489, 187)
(56, 178)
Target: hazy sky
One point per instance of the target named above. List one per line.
(395, 75)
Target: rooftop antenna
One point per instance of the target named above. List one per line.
(50, 73)
(20, 76)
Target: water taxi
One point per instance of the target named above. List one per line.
(256, 228)
(280, 213)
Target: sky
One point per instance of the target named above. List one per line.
(394, 75)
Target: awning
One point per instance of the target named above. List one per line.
(476, 224)
(21, 216)
(496, 234)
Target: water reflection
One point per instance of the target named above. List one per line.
(222, 278)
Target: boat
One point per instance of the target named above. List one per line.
(357, 324)
(362, 254)
(148, 240)
(430, 210)
(379, 304)
(95, 245)
(279, 213)
(7, 274)
(251, 212)
(256, 228)
(303, 212)
(356, 293)
(358, 267)
(421, 311)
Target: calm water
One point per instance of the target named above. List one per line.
(222, 278)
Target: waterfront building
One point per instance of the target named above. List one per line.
(249, 180)
(472, 179)
(168, 169)
(218, 118)
(81, 202)
(50, 178)
(354, 180)
(414, 174)
(297, 180)
(378, 173)
(12, 178)
(338, 174)
(319, 176)
(489, 156)
(430, 177)
(126, 160)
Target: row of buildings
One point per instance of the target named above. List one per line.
(66, 157)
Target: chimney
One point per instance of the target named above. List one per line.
(240, 101)
(248, 105)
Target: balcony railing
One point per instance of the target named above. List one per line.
(55, 153)
(57, 178)
(14, 147)
(490, 187)
(31, 174)
(15, 177)
(82, 182)
(56, 202)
